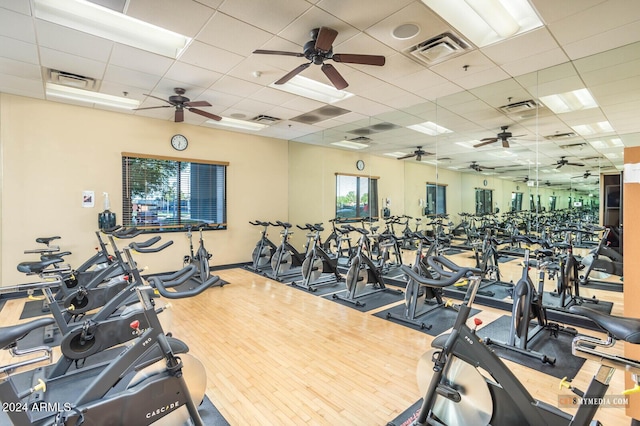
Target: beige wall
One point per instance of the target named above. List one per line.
(51, 152)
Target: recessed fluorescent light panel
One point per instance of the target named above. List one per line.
(570, 101)
(106, 23)
(396, 154)
(87, 96)
(429, 128)
(350, 144)
(303, 86)
(593, 129)
(237, 124)
(485, 22)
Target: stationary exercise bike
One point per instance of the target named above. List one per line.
(527, 307)
(603, 261)
(147, 382)
(200, 259)
(319, 268)
(286, 256)
(264, 249)
(364, 277)
(465, 383)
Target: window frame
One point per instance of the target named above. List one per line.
(371, 199)
(181, 224)
(439, 187)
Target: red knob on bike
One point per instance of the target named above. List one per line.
(135, 325)
(477, 321)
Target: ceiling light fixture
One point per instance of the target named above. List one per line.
(429, 128)
(593, 129)
(396, 154)
(312, 89)
(485, 22)
(569, 101)
(350, 144)
(237, 124)
(75, 94)
(106, 23)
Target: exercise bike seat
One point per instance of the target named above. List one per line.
(11, 334)
(36, 267)
(46, 240)
(58, 256)
(622, 328)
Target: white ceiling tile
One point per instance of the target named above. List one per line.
(23, 7)
(299, 30)
(601, 42)
(253, 106)
(70, 63)
(20, 69)
(351, 11)
(272, 96)
(363, 106)
(184, 17)
(210, 57)
(221, 99)
(533, 63)
(197, 76)
(73, 42)
(246, 37)
(18, 26)
(131, 77)
(235, 86)
(271, 16)
(12, 48)
(21, 86)
(139, 60)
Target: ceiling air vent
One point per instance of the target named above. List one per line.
(361, 139)
(374, 128)
(557, 136)
(317, 115)
(439, 48)
(265, 119)
(519, 107)
(71, 80)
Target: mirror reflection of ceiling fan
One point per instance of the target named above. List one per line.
(478, 168)
(418, 153)
(318, 50)
(564, 162)
(180, 103)
(503, 136)
(585, 175)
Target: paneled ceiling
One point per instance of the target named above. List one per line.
(592, 44)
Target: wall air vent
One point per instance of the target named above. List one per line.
(437, 49)
(265, 119)
(519, 107)
(71, 80)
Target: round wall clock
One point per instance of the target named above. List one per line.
(179, 142)
(360, 165)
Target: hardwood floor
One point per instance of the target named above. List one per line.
(277, 355)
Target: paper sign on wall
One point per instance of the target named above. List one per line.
(88, 199)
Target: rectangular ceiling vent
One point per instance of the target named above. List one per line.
(557, 136)
(64, 78)
(519, 107)
(374, 128)
(320, 114)
(437, 49)
(265, 119)
(361, 139)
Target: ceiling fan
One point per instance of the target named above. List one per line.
(564, 162)
(418, 153)
(503, 136)
(478, 168)
(584, 176)
(180, 103)
(319, 49)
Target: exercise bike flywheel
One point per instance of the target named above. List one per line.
(475, 406)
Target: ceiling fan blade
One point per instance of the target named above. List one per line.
(197, 104)
(162, 106)
(278, 52)
(575, 164)
(326, 37)
(505, 143)
(205, 114)
(486, 141)
(179, 117)
(407, 156)
(348, 58)
(334, 76)
(560, 165)
(419, 157)
(293, 73)
(160, 99)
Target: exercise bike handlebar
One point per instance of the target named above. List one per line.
(446, 278)
(185, 274)
(140, 248)
(125, 233)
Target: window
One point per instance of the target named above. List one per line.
(162, 194)
(436, 199)
(552, 202)
(516, 201)
(484, 201)
(356, 196)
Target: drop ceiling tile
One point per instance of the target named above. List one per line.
(245, 38)
(21, 86)
(271, 16)
(235, 86)
(16, 25)
(139, 60)
(210, 57)
(184, 17)
(73, 42)
(130, 77)
(23, 7)
(70, 63)
(521, 46)
(221, 99)
(272, 96)
(352, 11)
(533, 63)
(197, 76)
(363, 106)
(20, 69)
(253, 106)
(624, 34)
(18, 50)
(299, 30)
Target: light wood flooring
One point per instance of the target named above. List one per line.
(276, 355)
